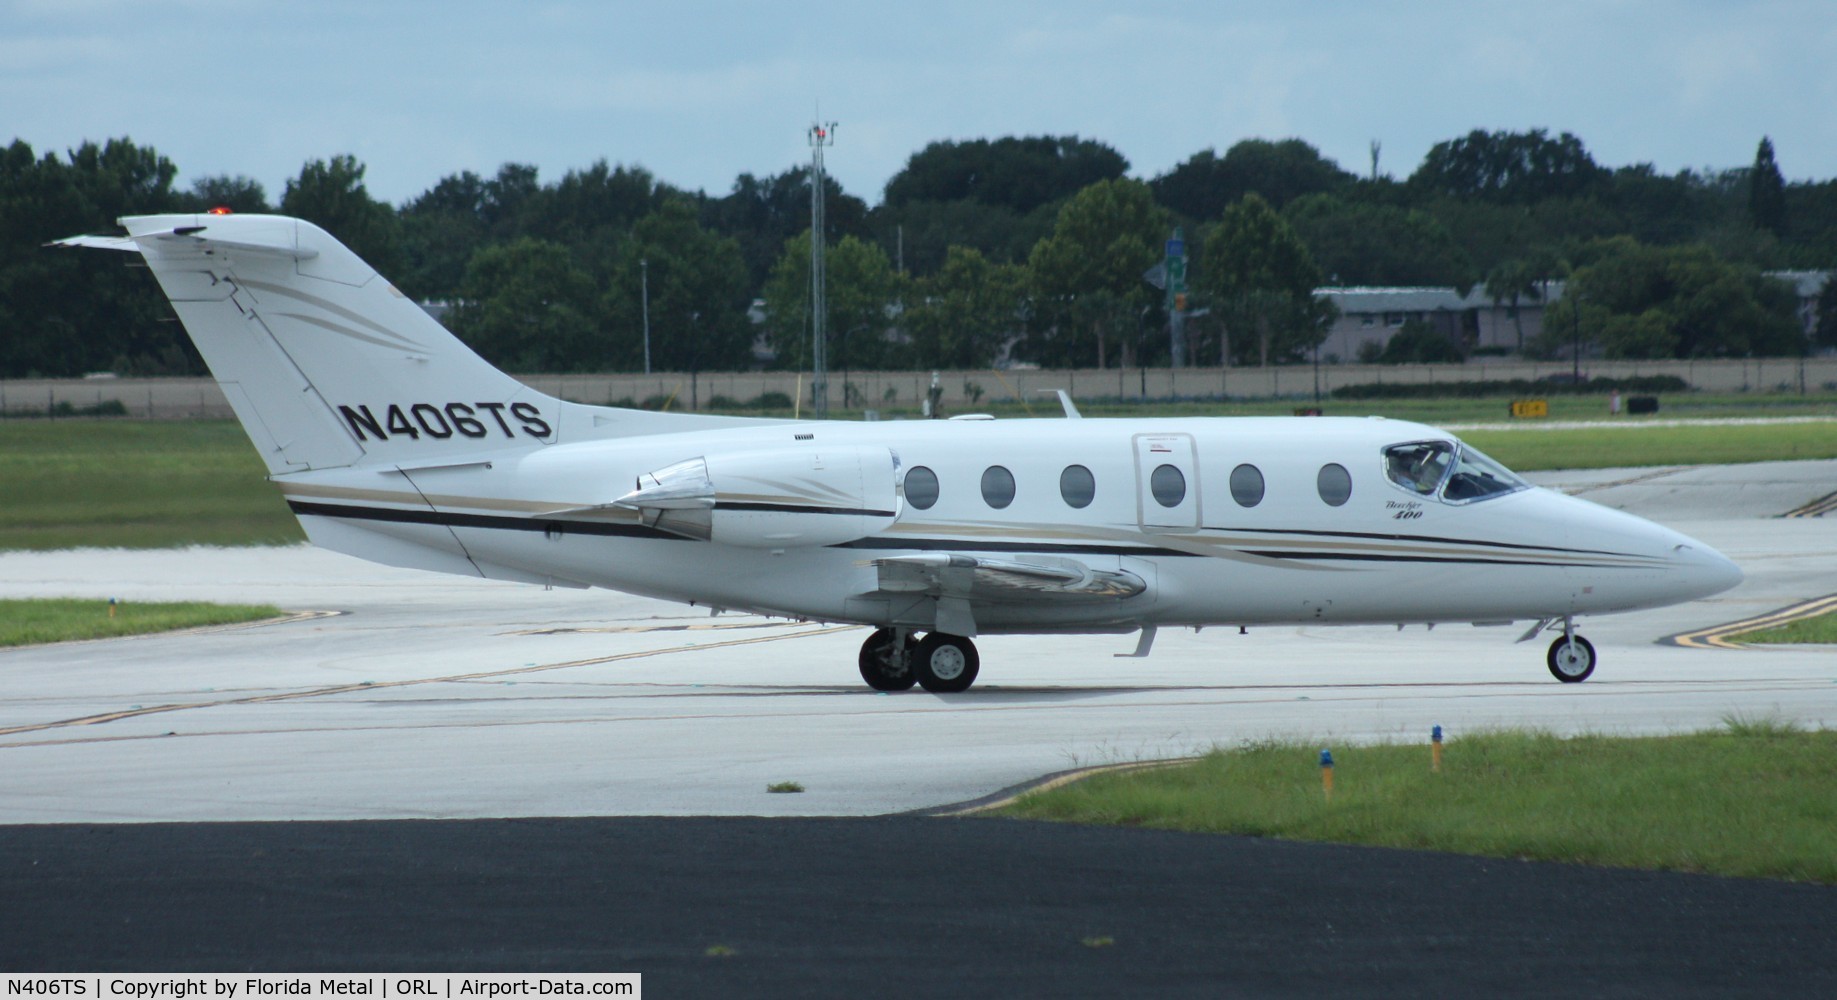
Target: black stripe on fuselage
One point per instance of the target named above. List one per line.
(1382, 557)
(450, 519)
(969, 545)
(791, 508)
(1381, 537)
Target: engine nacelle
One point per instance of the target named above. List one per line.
(772, 499)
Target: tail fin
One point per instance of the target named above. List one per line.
(327, 365)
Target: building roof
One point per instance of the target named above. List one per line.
(1808, 283)
(1361, 299)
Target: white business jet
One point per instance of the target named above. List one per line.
(394, 442)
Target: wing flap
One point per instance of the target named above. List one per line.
(982, 578)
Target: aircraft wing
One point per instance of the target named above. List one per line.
(982, 578)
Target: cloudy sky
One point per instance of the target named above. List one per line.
(699, 92)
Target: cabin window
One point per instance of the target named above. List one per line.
(1168, 485)
(1077, 486)
(921, 487)
(997, 487)
(1334, 484)
(1247, 485)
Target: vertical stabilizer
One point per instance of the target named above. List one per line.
(328, 366)
(326, 363)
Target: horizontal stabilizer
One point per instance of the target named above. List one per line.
(182, 237)
(97, 242)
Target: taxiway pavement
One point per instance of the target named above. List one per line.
(431, 696)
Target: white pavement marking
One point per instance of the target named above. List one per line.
(438, 696)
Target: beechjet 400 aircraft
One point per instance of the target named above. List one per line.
(394, 442)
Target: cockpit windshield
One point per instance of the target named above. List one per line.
(1458, 473)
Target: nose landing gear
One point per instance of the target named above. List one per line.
(1571, 657)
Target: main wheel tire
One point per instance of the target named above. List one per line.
(945, 663)
(884, 665)
(1571, 662)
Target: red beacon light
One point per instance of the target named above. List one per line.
(219, 210)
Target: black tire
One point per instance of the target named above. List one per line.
(1571, 665)
(945, 664)
(881, 668)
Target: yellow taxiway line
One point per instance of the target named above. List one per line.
(1717, 636)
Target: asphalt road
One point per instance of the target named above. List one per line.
(900, 906)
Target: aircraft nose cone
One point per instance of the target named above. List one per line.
(1704, 570)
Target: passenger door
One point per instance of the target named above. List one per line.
(1166, 482)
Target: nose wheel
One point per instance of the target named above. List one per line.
(1572, 658)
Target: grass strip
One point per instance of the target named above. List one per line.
(1689, 444)
(35, 620)
(1821, 629)
(1756, 799)
(136, 484)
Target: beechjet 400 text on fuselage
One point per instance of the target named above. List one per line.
(393, 441)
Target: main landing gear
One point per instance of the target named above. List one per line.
(893, 660)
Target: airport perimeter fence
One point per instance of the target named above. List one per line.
(962, 391)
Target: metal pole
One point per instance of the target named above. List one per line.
(820, 135)
(644, 272)
(1317, 372)
(1575, 347)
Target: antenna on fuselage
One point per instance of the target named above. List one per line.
(1065, 400)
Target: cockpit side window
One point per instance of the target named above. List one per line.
(1419, 465)
(1457, 473)
(1477, 477)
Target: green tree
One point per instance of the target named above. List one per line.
(1514, 167)
(1088, 291)
(920, 234)
(699, 294)
(238, 194)
(761, 213)
(1638, 301)
(331, 195)
(1517, 281)
(1361, 243)
(1656, 208)
(1767, 191)
(591, 211)
(1491, 233)
(1260, 277)
(863, 292)
(526, 306)
(1205, 184)
(1018, 173)
(1811, 207)
(961, 316)
(1825, 335)
(1417, 343)
(441, 230)
(63, 312)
